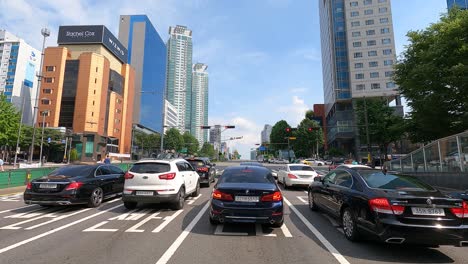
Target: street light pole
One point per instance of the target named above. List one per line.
(42, 137)
(45, 33)
(367, 131)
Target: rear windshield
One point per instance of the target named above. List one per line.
(246, 176)
(377, 179)
(150, 167)
(73, 171)
(196, 163)
(300, 168)
(251, 164)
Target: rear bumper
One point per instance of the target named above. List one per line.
(48, 199)
(299, 182)
(155, 198)
(222, 213)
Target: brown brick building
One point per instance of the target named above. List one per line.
(89, 88)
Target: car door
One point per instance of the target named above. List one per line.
(186, 176)
(118, 174)
(106, 181)
(324, 194)
(339, 190)
(281, 174)
(194, 177)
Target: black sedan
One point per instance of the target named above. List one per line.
(392, 208)
(205, 169)
(76, 184)
(247, 194)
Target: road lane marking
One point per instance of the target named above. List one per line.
(285, 230)
(28, 214)
(302, 199)
(167, 220)
(58, 218)
(95, 228)
(131, 215)
(341, 259)
(172, 249)
(5, 249)
(219, 232)
(40, 216)
(134, 229)
(10, 194)
(193, 199)
(259, 230)
(9, 210)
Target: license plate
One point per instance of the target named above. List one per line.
(47, 186)
(428, 211)
(248, 199)
(144, 193)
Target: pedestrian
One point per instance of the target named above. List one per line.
(107, 159)
(1, 165)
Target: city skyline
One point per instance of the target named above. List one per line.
(251, 70)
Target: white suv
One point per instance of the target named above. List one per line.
(160, 181)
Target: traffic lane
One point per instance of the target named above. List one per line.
(250, 243)
(117, 236)
(371, 251)
(11, 201)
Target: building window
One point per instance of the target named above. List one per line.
(50, 68)
(384, 30)
(353, 4)
(95, 80)
(358, 65)
(92, 113)
(368, 12)
(93, 102)
(97, 69)
(355, 13)
(357, 44)
(384, 20)
(386, 41)
(382, 1)
(373, 64)
(45, 101)
(372, 53)
(387, 51)
(355, 24)
(118, 111)
(375, 86)
(94, 91)
(390, 85)
(388, 62)
(388, 73)
(370, 22)
(48, 79)
(360, 87)
(117, 121)
(371, 43)
(382, 10)
(374, 75)
(367, 2)
(357, 54)
(356, 34)
(47, 91)
(370, 32)
(359, 76)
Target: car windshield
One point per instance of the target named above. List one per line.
(300, 168)
(150, 167)
(377, 179)
(246, 175)
(73, 171)
(251, 164)
(196, 163)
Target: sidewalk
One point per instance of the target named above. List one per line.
(12, 190)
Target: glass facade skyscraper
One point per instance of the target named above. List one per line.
(199, 102)
(463, 4)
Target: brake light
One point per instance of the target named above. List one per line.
(202, 169)
(74, 186)
(461, 212)
(292, 176)
(382, 205)
(167, 176)
(273, 197)
(29, 186)
(128, 176)
(218, 195)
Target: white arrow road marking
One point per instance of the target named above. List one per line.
(9, 210)
(41, 215)
(58, 218)
(147, 219)
(167, 220)
(95, 228)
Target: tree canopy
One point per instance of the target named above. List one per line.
(173, 140)
(306, 141)
(278, 136)
(191, 143)
(9, 122)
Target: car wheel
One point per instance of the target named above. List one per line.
(284, 184)
(96, 198)
(312, 205)
(197, 190)
(179, 204)
(320, 164)
(130, 205)
(349, 225)
(213, 222)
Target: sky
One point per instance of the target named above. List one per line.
(263, 56)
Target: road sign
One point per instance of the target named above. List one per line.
(292, 138)
(183, 150)
(49, 140)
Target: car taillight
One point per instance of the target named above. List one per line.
(292, 176)
(461, 212)
(202, 169)
(74, 186)
(382, 205)
(29, 186)
(273, 197)
(128, 176)
(218, 195)
(167, 176)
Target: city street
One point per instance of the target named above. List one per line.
(153, 234)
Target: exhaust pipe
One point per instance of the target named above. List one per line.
(221, 220)
(395, 240)
(463, 243)
(272, 222)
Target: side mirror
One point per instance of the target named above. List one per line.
(318, 179)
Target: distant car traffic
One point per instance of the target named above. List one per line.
(247, 195)
(205, 169)
(313, 162)
(160, 181)
(296, 175)
(76, 184)
(393, 208)
(251, 163)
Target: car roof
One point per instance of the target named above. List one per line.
(250, 167)
(353, 166)
(160, 160)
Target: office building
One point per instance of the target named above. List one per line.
(19, 63)
(179, 74)
(215, 137)
(358, 53)
(266, 132)
(147, 55)
(88, 87)
(463, 4)
(199, 102)
(171, 118)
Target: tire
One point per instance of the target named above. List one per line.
(130, 205)
(96, 198)
(349, 225)
(179, 203)
(197, 189)
(278, 224)
(312, 204)
(285, 185)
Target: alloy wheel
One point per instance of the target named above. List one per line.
(348, 224)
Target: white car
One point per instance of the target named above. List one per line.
(160, 181)
(296, 174)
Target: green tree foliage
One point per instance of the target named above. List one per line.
(73, 155)
(306, 141)
(173, 140)
(207, 150)
(147, 143)
(334, 152)
(191, 143)
(433, 77)
(309, 114)
(9, 122)
(278, 136)
(384, 126)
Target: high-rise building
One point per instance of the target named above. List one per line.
(358, 53)
(147, 55)
(88, 87)
(266, 132)
(179, 74)
(463, 4)
(199, 102)
(19, 63)
(170, 116)
(215, 137)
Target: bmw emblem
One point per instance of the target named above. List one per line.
(247, 191)
(429, 202)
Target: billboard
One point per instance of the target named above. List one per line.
(70, 35)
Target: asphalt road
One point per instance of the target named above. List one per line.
(153, 234)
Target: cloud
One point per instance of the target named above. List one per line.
(293, 113)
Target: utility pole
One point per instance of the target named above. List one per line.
(369, 157)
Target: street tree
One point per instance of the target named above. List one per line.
(308, 135)
(9, 122)
(310, 114)
(191, 143)
(173, 140)
(278, 136)
(433, 76)
(207, 150)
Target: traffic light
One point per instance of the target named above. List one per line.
(229, 127)
(205, 127)
(310, 129)
(288, 129)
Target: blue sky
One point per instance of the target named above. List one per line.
(263, 56)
